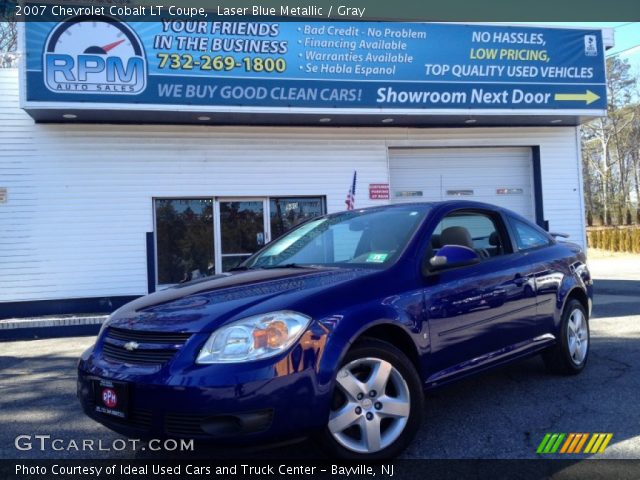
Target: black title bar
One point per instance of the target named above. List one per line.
(318, 470)
(352, 10)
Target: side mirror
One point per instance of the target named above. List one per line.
(452, 256)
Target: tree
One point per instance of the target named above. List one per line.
(610, 148)
(8, 39)
(634, 142)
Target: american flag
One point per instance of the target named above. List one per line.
(351, 196)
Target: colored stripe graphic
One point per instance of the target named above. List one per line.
(555, 447)
(596, 446)
(573, 443)
(550, 443)
(606, 442)
(579, 438)
(543, 443)
(568, 442)
(582, 440)
(593, 440)
(598, 442)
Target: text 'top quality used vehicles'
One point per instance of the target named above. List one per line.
(337, 329)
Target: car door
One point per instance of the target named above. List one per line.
(474, 310)
(532, 246)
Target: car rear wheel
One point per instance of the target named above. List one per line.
(569, 355)
(377, 403)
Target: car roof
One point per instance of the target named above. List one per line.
(428, 205)
(447, 205)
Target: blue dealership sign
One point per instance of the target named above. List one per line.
(369, 66)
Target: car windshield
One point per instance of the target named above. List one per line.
(367, 237)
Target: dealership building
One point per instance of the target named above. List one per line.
(136, 156)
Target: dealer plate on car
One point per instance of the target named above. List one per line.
(112, 398)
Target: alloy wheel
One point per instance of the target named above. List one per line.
(577, 336)
(371, 405)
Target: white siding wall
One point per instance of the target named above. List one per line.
(559, 158)
(435, 171)
(80, 196)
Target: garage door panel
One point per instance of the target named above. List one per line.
(502, 182)
(465, 174)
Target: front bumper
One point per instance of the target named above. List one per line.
(267, 401)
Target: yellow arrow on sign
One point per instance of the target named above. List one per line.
(588, 97)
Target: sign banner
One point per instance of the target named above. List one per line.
(372, 66)
(379, 191)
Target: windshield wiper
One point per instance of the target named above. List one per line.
(289, 265)
(241, 269)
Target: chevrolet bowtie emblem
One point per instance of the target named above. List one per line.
(131, 346)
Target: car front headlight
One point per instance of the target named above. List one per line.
(254, 338)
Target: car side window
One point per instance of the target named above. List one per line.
(527, 236)
(475, 230)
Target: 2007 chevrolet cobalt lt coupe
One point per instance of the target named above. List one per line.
(337, 329)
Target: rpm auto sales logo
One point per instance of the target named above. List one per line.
(109, 398)
(96, 55)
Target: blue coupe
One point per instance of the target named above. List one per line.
(338, 328)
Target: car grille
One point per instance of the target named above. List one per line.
(153, 348)
(148, 337)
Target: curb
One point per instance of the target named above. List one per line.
(37, 328)
(40, 322)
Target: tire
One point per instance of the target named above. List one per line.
(358, 408)
(570, 354)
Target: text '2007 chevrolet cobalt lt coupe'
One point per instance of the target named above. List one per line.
(337, 329)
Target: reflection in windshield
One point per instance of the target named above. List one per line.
(366, 237)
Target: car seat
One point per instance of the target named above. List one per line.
(460, 236)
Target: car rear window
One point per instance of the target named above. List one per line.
(528, 236)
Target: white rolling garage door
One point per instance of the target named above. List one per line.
(501, 176)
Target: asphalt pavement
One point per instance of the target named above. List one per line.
(501, 414)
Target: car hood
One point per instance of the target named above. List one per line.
(204, 305)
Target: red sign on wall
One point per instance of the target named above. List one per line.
(379, 191)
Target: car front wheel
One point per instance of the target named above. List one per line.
(377, 403)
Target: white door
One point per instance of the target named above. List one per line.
(499, 175)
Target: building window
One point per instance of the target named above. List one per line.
(184, 239)
(287, 212)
